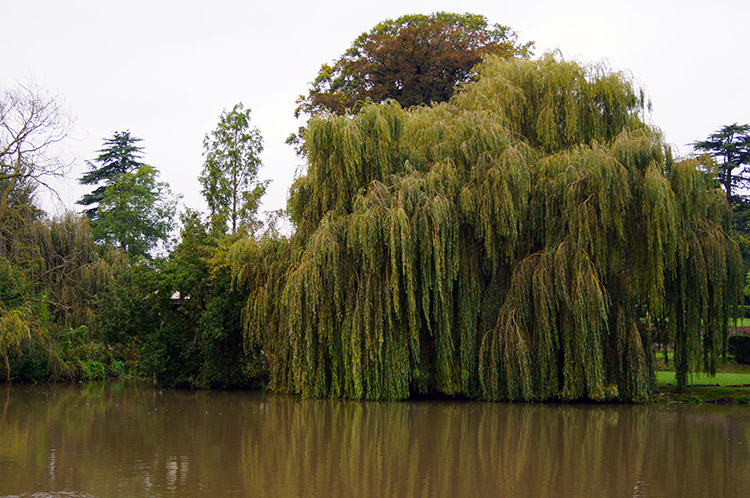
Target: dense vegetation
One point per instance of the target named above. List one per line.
(91, 296)
(529, 237)
(514, 243)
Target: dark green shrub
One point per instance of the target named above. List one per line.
(739, 347)
(32, 365)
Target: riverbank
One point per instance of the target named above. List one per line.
(730, 385)
(717, 394)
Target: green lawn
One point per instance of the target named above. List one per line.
(703, 388)
(741, 322)
(722, 378)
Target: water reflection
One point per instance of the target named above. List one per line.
(117, 440)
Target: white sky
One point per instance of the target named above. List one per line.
(166, 69)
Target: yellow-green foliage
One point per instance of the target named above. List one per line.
(15, 327)
(49, 272)
(512, 243)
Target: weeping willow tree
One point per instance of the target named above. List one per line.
(49, 272)
(516, 242)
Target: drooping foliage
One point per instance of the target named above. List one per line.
(50, 270)
(514, 243)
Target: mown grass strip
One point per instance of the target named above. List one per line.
(721, 379)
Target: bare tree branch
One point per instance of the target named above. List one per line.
(31, 122)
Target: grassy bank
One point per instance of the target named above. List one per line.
(701, 379)
(731, 384)
(667, 393)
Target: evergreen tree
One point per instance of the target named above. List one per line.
(119, 155)
(730, 147)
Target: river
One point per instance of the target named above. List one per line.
(117, 439)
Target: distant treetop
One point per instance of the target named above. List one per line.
(415, 59)
(730, 146)
(119, 155)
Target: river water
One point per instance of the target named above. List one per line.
(111, 440)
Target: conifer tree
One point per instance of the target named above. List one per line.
(119, 155)
(730, 147)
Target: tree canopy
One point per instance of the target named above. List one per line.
(230, 171)
(415, 59)
(50, 270)
(129, 207)
(136, 213)
(515, 242)
(120, 154)
(730, 147)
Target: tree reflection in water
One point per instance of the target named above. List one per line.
(116, 440)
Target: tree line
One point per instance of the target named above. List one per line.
(471, 221)
(104, 292)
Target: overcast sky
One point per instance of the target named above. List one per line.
(166, 69)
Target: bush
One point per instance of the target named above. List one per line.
(32, 365)
(739, 347)
(92, 370)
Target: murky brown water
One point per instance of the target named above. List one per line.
(112, 440)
